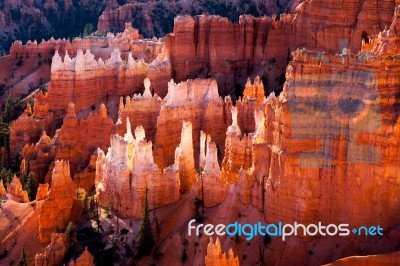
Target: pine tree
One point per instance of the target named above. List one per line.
(107, 209)
(5, 159)
(145, 240)
(23, 260)
(31, 186)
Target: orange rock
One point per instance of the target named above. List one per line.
(215, 256)
(42, 192)
(88, 74)
(85, 259)
(340, 147)
(254, 91)
(68, 144)
(184, 153)
(15, 190)
(55, 211)
(3, 191)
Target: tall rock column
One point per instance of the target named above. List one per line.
(238, 150)
(187, 171)
(210, 184)
(55, 213)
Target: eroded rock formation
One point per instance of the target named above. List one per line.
(142, 110)
(55, 212)
(209, 182)
(15, 190)
(42, 192)
(3, 191)
(128, 169)
(215, 256)
(54, 252)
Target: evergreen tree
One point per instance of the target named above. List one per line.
(5, 159)
(107, 209)
(145, 240)
(23, 260)
(31, 186)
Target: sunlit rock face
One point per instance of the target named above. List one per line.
(323, 166)
(15, 190)
(55, 212)
(127, 170)
(142, 110)
(84, 80)
(325, 150)
(215, 256)
(194, 101)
